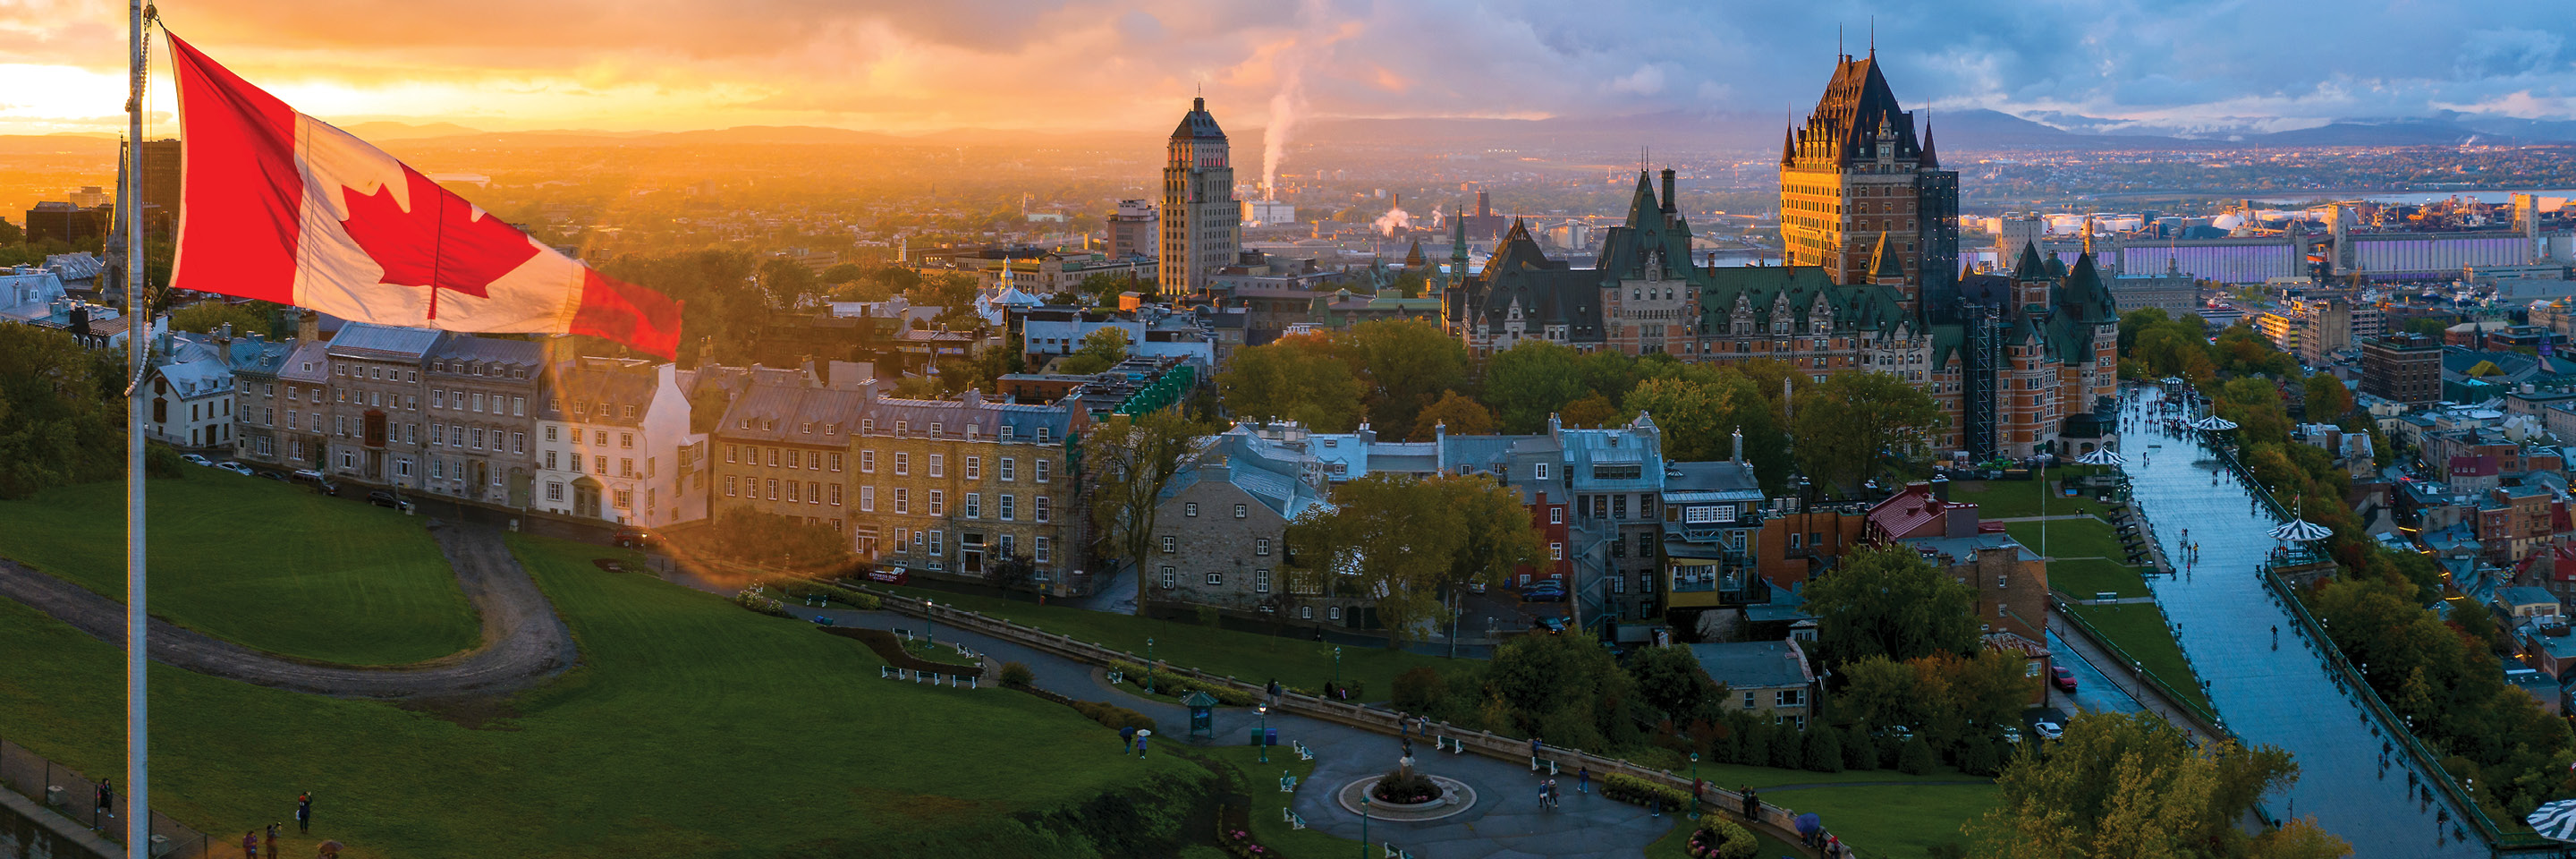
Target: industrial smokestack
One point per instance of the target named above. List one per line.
(1668, 191)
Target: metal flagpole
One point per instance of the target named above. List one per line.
(138, 345)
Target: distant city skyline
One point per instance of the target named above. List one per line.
(2122, 66)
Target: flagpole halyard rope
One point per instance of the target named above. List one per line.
(138, 336)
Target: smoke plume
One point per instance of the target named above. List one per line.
(1395, 217)
(1285, 106)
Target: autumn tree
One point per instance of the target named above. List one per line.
(1293, 378)
(1127, 462)
(2131, 785)
(1852, 427)
(1892, 603)
(1591, 412)
(1461, 416)
(1530, 381)
(2328, 400)
(1945, 695)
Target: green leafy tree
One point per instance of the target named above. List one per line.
(1890, 602)
(788, 283)
(1565, 690)
(1670, 680)
(1853, 426)
(844, 273)
(1407, 365)
(1101, 289)
(1530, 381)
(1408, 543)
(205, 317)
(1824, 749)
(1293, 378)
(61, 419)
(1100, 350)
(1127, 462)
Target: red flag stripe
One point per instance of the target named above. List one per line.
(629, 314)
(241, 197)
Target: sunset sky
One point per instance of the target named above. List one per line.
(916, 66)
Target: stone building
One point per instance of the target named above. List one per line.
(304, 385)
(1221, 529)
(2021, 364)
(948, 488)
(376, 431)
(477, 393)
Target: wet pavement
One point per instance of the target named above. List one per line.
(2094, 693)
(2285, 697)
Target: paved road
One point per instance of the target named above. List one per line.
(2094, 692)
(523, 642)
(2287, 697)
(1505, 823)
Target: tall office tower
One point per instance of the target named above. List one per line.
(1855, 174)
(1202, 223)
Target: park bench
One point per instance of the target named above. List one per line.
(1290, 817)
(1287, 783)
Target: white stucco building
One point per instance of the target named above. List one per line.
(613, 444)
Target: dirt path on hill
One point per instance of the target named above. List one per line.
(523, 641)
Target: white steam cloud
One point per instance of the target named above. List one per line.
(1395, 217)
(1285, 107)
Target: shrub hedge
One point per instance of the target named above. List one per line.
(1167, 683)
(1637, 791)
(1113, 715)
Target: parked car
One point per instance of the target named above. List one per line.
(382, 498)
(1899, 733)
(236, 468)
(1543, 591)
(2049, 730)
(1552, 624)
(2012, 735)
(320, 482)
(2065, 679)
(278, 476)
(634, 538)
(195, 459)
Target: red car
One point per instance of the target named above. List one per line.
(2065, 679)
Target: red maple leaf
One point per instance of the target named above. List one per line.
(441, 243)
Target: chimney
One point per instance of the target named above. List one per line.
(1668, 191)
(1739, 445)
(308, 327)
(1941, 489)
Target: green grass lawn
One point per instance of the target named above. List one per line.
(1251, 657)
(265, 564)
(2071, 538)
(2013, 499)
(1894, 822)
(1736, 776)
(2140, 630)
(2082, 579)
(1262, 781)
(691, 728)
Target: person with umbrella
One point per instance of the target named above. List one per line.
(1809, 826)
(329, 850)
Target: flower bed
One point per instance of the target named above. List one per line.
(1720, 838)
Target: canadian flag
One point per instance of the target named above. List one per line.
(279, 206)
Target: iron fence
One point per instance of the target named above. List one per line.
(74, 796)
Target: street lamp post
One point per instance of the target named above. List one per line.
(1149, 666)
(1264, 740)
(1337, 666)
(1364, 822)
(930, 623)
(1694, 812)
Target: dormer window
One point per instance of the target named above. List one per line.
(807, 428)
(901, 427)
(934, 430)
(867, 426)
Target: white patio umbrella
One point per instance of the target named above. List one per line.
(2301, 531)
(2213, 423)
(2101, 456)
(2555, 821)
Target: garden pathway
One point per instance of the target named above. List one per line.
(523, 642)
(2286, 697)
(1505, 823)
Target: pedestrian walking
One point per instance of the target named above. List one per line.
(106, 806)
(304, 812)
(1141, 737)
(1126, 739)
(1583, 780)
(1533, 748)
(272, 839)
(1274, 691)
(250, 845)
